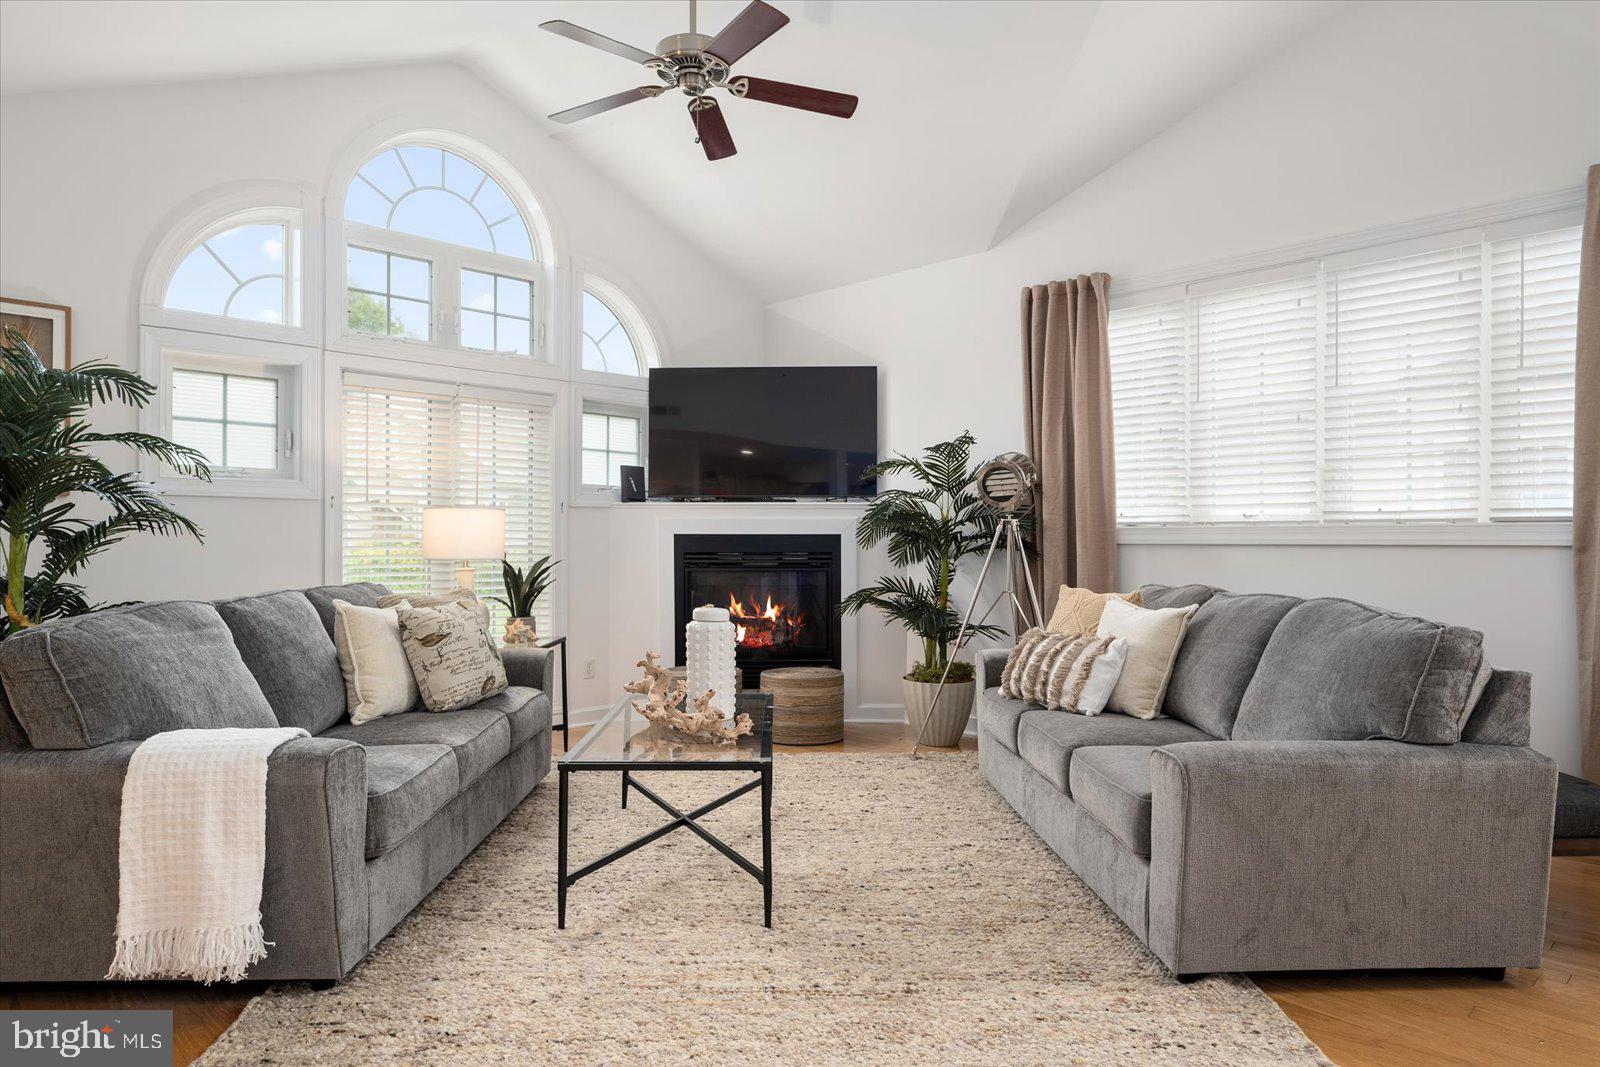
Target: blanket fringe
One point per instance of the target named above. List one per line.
(214, 954)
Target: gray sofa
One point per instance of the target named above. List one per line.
(362, 821)
(1330, 786)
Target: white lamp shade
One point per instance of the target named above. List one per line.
(463, 533)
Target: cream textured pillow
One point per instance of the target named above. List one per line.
(1078, 610)
(452, 656)
(1011, 673)
(464, 597)
(1154, 636)
(377, 677)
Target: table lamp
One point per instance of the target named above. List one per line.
(463, 534)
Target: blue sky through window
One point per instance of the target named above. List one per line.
(432, 193)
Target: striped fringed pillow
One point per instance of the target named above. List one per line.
(1010, 674)
(1082, 676)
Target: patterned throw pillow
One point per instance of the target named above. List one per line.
(1078, 610)
(1010, 674)
(465, 597)
(452, 656)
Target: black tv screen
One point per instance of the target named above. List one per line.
(740, 432)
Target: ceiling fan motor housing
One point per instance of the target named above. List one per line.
(683, 62)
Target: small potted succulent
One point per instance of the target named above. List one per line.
(930, 528)
(523, 590)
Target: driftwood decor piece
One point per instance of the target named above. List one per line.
(665, 704)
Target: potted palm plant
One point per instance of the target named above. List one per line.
(929, 529)
(523, 590)
(49, 458)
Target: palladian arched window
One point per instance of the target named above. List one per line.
(438, 252)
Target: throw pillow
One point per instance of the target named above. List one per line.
(1084, 673)
(377, 676)
(461, 596)
(1078, 610)
(1154, 636)
(1011, 673)
(452, 656)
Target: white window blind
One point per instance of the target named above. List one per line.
(1430, 386)
(407, 447)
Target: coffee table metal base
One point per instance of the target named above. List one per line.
(687, 820)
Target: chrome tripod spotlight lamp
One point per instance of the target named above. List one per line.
(1007, 485)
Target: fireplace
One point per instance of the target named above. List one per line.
(782, 591)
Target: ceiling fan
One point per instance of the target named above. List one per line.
(696, 64)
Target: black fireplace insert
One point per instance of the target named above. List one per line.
(781, 590)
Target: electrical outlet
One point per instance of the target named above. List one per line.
(588, 669)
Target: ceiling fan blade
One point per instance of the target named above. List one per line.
(711, 128)
(749, 28)
(562, 28)
(841, 105)
(607, 103)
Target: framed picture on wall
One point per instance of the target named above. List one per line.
(48, 327)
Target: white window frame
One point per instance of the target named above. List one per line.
(447, 262)
(643, 331)
(604, 400)
(296, 208)
(294, 367)
(427, 377)
(1493, 223)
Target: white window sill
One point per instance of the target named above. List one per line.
(1558, 534)
(265, 487)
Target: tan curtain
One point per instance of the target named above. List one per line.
(1066, 387)
(1586, 483)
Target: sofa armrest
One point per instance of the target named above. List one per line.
(60, 822)
(1293, 855)
(530, 666)
(990, 662)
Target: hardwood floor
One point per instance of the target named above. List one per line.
(1546, 1016)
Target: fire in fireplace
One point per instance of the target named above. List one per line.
(781, 590)
(772, 626)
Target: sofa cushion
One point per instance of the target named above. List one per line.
(1503, 714)
(1112, 784)
(406, 786)
(479, 737)
(282, 642)
(1221, 649)
(363, 594)
(1176, 596)
(998, 716)
(127, 674)
(1047, 739)
(526, 710)
(1336, 670)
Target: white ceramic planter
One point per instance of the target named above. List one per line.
(942, 725)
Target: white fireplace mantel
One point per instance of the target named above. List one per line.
(641, 548)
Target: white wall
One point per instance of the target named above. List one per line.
(1396, 112)
(89, 179)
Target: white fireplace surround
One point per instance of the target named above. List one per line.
(640, 615)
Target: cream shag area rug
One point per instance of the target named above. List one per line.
(917, 920)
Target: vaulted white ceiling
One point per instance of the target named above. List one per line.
(974, 116)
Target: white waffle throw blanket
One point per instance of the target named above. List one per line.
(192, 850)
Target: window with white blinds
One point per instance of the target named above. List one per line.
(1431, 386)
(407, 446)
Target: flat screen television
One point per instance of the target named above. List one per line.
(754, 432)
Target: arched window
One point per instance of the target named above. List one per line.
(245, 267)
(433, 193)
(438, 252)
(607, 345)
(222, 338)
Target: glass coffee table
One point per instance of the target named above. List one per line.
(626, 741)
